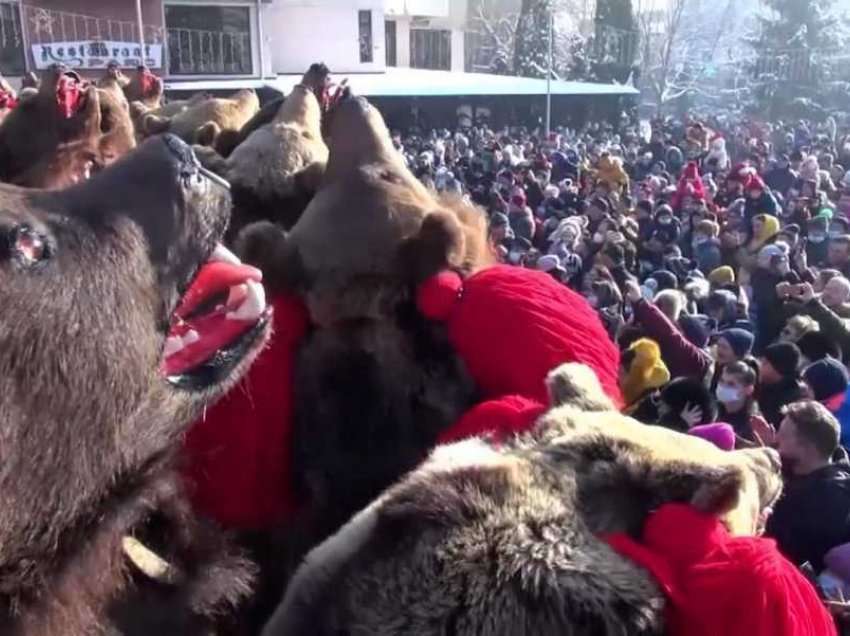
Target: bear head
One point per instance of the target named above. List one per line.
(123, 317)
(506, 540)
(372, 228)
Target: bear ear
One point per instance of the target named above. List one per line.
(211, 160)
(225, 142)
(438, 245)
(575, 384)
(207, 134)
(154, 125)
(713, 489)
(264, 245)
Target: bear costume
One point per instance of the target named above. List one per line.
(238, 452)
(98, 281)
(516, 538)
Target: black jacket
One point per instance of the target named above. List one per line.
(813, 515)
(772, 397)
(740, 421)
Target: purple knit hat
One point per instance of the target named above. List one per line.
(720, 434)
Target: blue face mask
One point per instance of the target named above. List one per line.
(728, 394)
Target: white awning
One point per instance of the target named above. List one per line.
(409, 82)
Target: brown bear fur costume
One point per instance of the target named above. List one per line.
(205, 119)
(375, 381)
(275, 167)
(504, 540)
(40, 147)
(95, 535)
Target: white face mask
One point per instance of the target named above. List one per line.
(592, 300)
(514, 257)
(598, 238)
(728, 394)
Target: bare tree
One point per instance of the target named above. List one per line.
(679, 44)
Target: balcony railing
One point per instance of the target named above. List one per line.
(47, 25)
(197, 52)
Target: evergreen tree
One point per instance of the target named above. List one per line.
(793, 68)
(615, 39)
(531, 44)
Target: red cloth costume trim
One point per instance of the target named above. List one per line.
(720, 585)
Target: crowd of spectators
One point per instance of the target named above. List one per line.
(717, 256)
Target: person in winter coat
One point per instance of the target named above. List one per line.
(705, 246)
(642, 373)
(779, 380)
(760, 199)
(682, 357)
(717, 159)
(768, 299)
(813, 515)
(781, 177)
(736, 397)
(685, 403)
(831, 324)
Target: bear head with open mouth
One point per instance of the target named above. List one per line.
(123, 317)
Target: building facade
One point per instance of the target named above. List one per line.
(204, 39)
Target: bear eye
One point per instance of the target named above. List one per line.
(26, 246)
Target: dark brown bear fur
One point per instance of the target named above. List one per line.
(503, 541)
(278, 158)
(375, 382)
(41, 149)
(95, 535)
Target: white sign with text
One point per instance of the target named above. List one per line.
(94, 54)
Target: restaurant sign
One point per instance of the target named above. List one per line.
(94, 54)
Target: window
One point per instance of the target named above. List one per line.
(208, 40)
(11, 43)
(390, 37)
(364, 20)
(431, 49)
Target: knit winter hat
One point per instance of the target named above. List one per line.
(720, 434)
(754, 183)
(646, 370)
(548, 262)
(814, 345)
(696, 329)
(826, 378)
(665, 279)
(549, 324)
(723, 275)
(784, 357)
(740, 340)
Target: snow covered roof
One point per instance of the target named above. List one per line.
(411, 82)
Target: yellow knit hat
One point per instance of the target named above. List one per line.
(723, 275)
(646, 371)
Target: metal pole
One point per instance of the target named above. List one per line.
(549, 74)
(141, 25)
(262, 53)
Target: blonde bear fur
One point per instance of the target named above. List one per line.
(201, 122)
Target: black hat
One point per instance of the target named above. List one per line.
(784, 357)
(827, 378)
(814, 345)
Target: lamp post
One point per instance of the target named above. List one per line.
(141, 26)
(549, 73)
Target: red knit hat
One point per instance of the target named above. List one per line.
(754, 182)
(691, 172)
(511, 326)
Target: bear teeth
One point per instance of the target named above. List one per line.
(224, 255)
(173, 344)
(252, 306)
